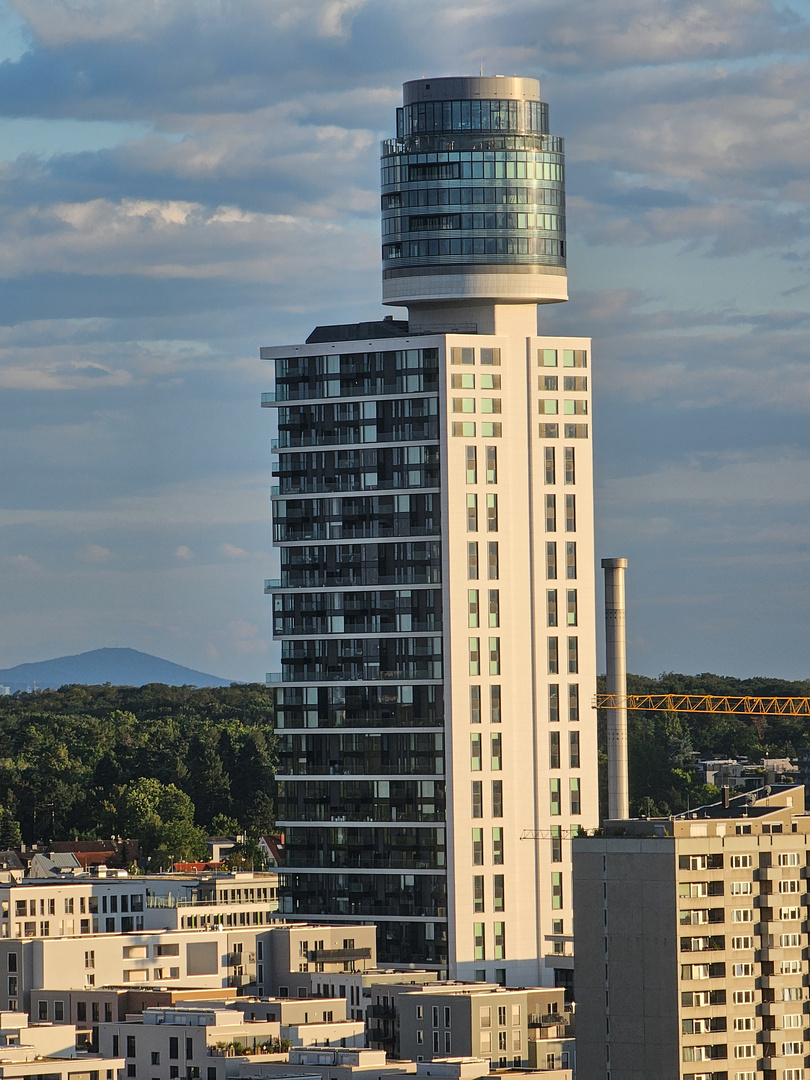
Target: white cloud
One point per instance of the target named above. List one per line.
(94, 553)
(231, 551)
(183, 552)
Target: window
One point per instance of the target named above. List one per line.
(491, 453)
(573, 655)
(42, 1010)
(155, 1057)
(743, 1023)
(554, 703)
(742, 915)
(462, 382)
(130, 1046)
(789, 1048)
(59, 1012)
(494, 607)
(496, 752)
(494, 656)
(573, 749)
(570, 513)
(740, 971)
(571, 606)
(463, 405)
(790, 941)
(475, 704)
(475, 752)
(741, 888)
(551, 513)
(490, 405)
(556, 890)
(789, 1074)
(548, 382)
(554, 786)
(90, 959)
(462, 356)
(472, 561)
(739, 862)
(472, 513)
(499, 943)
(492, 560)
(791, 993)
(495, 704)
(12, 961)
(553, 656)
(549, 465)
(790, 967)
(790, 914)
(788, 858)
(479, 941)
(478, 847)
(570, 470)
(491, 357)
(743, 997)
(497, 846)
(571, 560)
(498, 892)
(477, 799)
(475, 655)
(789, 885)
(497, 798)
(472, 607)
(551, 560)
(792, 1020)
(470, 457)
(81, 1014)
(492, 512)
(490, 381)
(742, 942)
(551, 607)
(478, 893)
(575, 795)
(556, 843)
(490, 430)
(547, 357)
(554, 749)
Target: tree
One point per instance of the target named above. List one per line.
(161, 816)
(10, 835)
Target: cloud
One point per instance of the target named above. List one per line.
(183, 552)
(94, 553)
(231, 551)
(21, 564)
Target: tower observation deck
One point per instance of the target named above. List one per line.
(473, 196)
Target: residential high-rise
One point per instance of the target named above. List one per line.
(692, 943)
(436, 601)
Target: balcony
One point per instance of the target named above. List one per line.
(328, 956)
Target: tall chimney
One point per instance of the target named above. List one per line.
(616, 656)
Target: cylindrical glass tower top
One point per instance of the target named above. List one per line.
(473, 195)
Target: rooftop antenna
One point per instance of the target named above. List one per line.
(482, 67)
(616, 650)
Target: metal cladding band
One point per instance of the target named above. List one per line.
(616, 655)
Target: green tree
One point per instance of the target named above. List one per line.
(161, 816)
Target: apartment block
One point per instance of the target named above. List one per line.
(433, 512)
(691, 937)
(520, 1029)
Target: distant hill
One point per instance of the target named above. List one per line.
(121, 667)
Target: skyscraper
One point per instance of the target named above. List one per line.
(436, 601)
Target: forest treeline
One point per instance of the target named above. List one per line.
(163, 764)
(662, 745)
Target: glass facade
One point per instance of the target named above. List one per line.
(470, 183)
(358, 612)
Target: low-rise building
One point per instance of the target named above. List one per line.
(205, 1039)
(297, 952)
(36, 1051)
(509, 1028)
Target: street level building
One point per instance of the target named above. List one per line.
(435, 609)
(691, 937)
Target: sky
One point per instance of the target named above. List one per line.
(183, 181)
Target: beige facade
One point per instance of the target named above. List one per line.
(509, 1028)
(692, 945)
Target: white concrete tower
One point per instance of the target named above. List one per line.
(452, 633)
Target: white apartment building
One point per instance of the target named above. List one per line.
(435, 609)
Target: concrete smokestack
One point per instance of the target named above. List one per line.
(616, 655)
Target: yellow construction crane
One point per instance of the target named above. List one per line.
(706, 703)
